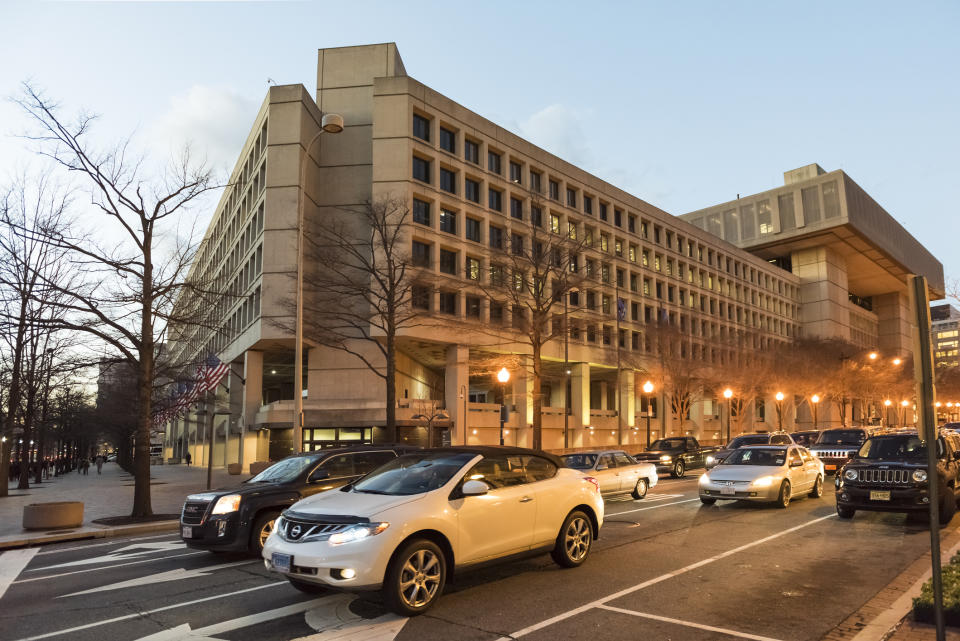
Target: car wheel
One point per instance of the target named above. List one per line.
(574, 541)
(817, 490)
(783, 500)
(640, 490)
(707, 501)
(678, 470)
(415, 578)
(845, 512)
(262, 527)
(308, 588)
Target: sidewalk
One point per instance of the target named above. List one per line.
(105, 495)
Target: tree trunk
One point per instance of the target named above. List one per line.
(27, 436)
(13, 397)
(537, 399)
(391, 383)
(141, 455)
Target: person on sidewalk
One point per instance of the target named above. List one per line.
(189, 458)
(99, 463)
(85, 464)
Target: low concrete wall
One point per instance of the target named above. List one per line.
(48, 516)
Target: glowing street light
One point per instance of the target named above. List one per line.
(903, 404)
(728, 394)
(648, 390)
(815, 399)
(873, 356)
(503, 376)
(897, 361)
(779, 398)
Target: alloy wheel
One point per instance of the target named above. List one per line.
(420, 578)
(576, 539)
(265, 531)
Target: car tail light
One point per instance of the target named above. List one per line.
(595, 482)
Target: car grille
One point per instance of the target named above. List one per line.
(295, 529)
(193, 512)
(832, 453)
(884, 476)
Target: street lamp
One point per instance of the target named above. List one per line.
(648, 390)
(815, 399)
(429, 419)
(503, 376)
(779, 398)
(873, 356)
(329, 124)
(728, 394)
(887, 403)
(897, 361)
(903, 404)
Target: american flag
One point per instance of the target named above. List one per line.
(210, 374)
(621, 309)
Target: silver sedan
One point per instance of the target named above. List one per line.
(764, 473)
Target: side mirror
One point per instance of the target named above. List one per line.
(319, 475)
(474, 488)
(796, 463)
(601, 467)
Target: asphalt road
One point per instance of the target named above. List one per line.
(665, 567)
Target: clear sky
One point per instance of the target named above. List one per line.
(684, 104)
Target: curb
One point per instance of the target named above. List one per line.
(89, 532)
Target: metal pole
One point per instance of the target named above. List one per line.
(619, 408)
(923, 376)
(503, 407)
(209, 423)
(566, 376)
(648, 421)
(729, 417)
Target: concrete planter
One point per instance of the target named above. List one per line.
(258, 466)
(48, 516)
(234, 468)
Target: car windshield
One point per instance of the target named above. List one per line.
(757, 456)
(284, 471)
(756, 439)
(668, 444)
(841, 437)
(906, 446)
(583, 461)
(804, 438)
(414, 473)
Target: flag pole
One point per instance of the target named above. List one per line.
(619, 391)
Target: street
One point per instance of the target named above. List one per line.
(664, 567)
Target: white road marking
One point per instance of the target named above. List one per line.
(184, 632)
(161, 577)
(146, 549)
(334, 621)
(107, 567)
(136, 615)
(12, 564)
(97, 545)
(653, 507)
(663, 577)
(689, 624)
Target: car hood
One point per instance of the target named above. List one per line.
(742, 472)
(352, 503)
(651, 455)
(245, 489)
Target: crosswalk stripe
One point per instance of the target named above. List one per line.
(12, 564)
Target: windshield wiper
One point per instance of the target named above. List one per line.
(373, 492)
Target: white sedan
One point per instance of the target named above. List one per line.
(764, 473)
(616, 471)
(401, 528)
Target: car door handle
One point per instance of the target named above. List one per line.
(526, 499)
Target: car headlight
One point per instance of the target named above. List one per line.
(704, 479)
(919, 476)
(666, 458)
(710, 459)
(227, 504)
(850, 475)
(763, 481)
(357, 533)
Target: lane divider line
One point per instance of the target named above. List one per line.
(689, 624)
(663, 577)
(652, 507)
(12, 564)
(107, 567)
(115, 542)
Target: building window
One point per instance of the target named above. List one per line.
(421, 212)
(618, 247)
(421, 127)
(571, 230)
(448, 140)
(496, 313)
(473, 306)
(645, 229)
(536, 216)
(516, 244)
(764, 217)
(605, 273)
(494, 199)
(448, 262)
(421, 169)
(605, 304)
(587, 205)
(603, 211)
(471, 189)
(516, 208)
(473, 268)
(493, 162)
(554, 190)
(420, 254)
(632, 255)
(536, 181)
(471, 151)
(472, 229)
(420, 297)
(448, 180)
(516, 173)
(448, 303)
(554, 223)
(632, 224)
(571, 197)
(604, 243)
(496, 237)
(618, 218)
(448, 221)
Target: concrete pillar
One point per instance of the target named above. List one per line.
(456, 385)
(520, 398)
(603, 395)
(580, 395)
(251, 398)
(236, 406)
(628, 398)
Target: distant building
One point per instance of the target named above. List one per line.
(945, 328)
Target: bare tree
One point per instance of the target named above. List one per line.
(128, 284)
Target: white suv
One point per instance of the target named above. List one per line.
(405, 526)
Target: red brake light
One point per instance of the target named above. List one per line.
(596, 483)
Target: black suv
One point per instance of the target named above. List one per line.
(889, 474)
(241, 518)
(835, 447)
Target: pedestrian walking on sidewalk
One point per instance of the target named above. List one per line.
(189, 458)
(85, 464)
(99, 463)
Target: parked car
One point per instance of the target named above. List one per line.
(242, 517)
(835, 447)
(616, 472)
(764, 473)
(676, 455)
(889, 474)
(805, 438)
(758, 438)
(403, 528)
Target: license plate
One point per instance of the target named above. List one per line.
(877, 495)
(186, 532)
(728, 490)
(830, 467)
(281, 562)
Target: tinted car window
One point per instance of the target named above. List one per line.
(539, 469)
(366, 462)
(756, 439)
(668, 444)
(339, 466)
(780, 440)
(583, 461)
(623, 460)
(841, 437)
(757, 456)
(606, 459)
(906, 446)
(284, 471)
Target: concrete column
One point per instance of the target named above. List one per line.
(580, 394)
(456, 385)
(628, 398)
(520, 397)
(236, 406)
(251, 398)
(603, 395)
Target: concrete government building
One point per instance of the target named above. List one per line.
(816, 257)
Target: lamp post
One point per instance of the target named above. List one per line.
(648, 390)
(779, 398)
(330, 124)
(728, 394)
(815, 399)
(434, 414)
(503, 376)
(903, 412)
(886, 414)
